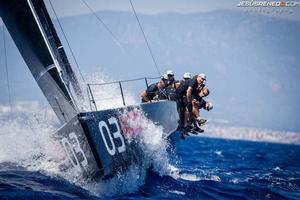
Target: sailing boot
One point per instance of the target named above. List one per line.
(200, 121)
(188, 128)
(197, 128)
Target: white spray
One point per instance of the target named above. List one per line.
(28, 141)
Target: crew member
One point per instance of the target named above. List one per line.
(186, 92)
(152, 90)
(172, 85)
(197, 103)
(186, 76)
(171, 79)
(164, 77)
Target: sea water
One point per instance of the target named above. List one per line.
(222, 163)
(200, 168)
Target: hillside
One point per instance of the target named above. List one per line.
(252, 61)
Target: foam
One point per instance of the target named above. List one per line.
(177, 192)
(27, 140)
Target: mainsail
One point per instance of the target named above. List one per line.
(33, 32)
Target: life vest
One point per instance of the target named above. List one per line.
(172, 94)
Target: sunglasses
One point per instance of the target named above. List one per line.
(204, 94)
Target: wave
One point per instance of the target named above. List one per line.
(27, 141)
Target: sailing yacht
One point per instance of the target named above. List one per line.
(98, 142)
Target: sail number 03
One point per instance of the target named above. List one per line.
(73, 149)
(117, 135)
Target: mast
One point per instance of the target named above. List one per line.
(30, 26)
(69, 76)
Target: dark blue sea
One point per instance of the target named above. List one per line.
(203, 168)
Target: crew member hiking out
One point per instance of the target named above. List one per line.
(186, 92)
(181, 101)
(197, 103)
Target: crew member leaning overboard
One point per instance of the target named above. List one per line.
(152, 90)
(186, 92)
(198, 103)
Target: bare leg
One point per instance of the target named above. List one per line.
(195, 109)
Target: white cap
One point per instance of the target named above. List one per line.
(187, 75)
(164, 76)
(202, 76)
(170, 72)
(209, 106)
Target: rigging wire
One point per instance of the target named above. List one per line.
(114, 37)
(105, 26)
(145, 38)
(125, 81)
(72, 53)
(6, 68)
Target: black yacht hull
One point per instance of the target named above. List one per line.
(101, 143)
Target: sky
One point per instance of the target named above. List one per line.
(77, 7)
